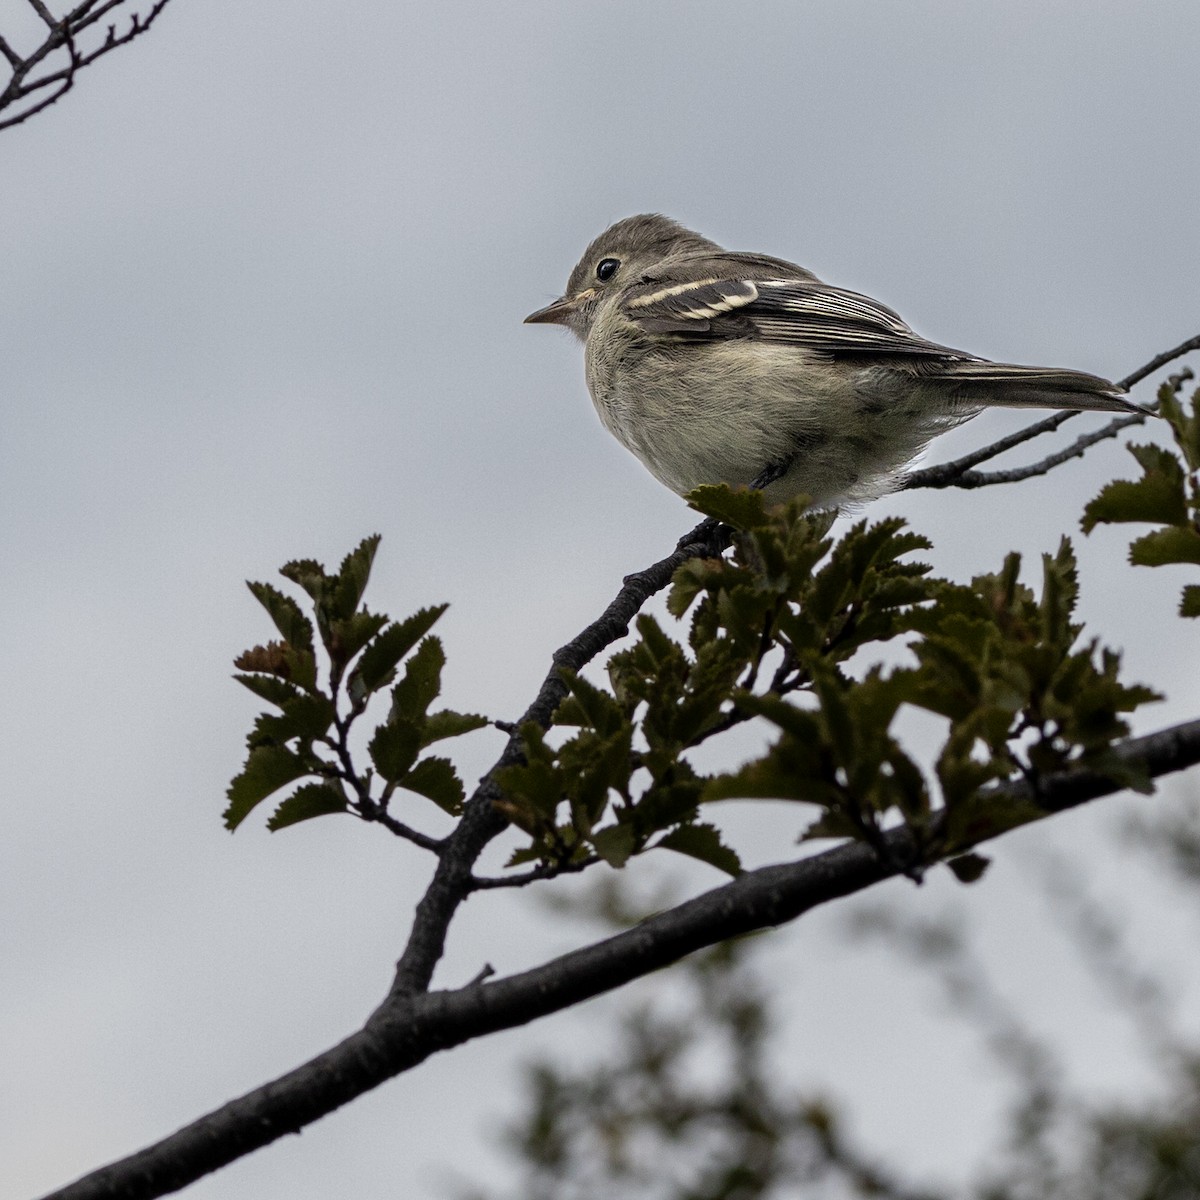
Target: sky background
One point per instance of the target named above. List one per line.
(263, 276)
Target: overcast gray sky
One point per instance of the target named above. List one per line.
(263, 277)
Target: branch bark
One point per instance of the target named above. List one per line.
(413, 1025)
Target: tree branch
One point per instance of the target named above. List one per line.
(959, 473)
(411, 1026)
(30, 72)
(481, 822)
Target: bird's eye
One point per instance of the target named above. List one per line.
(606, 268)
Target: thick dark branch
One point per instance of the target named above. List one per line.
(959, 473)
(413, 1026)
(31, 72)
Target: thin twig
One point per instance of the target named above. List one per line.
(958, 473)
(381, 816)
(481, 883)
(978, 479)
(28, 76)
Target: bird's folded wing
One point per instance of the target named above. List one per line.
(807, 313)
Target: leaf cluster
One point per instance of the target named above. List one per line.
(771, 633)
(308, 737)
(1166, 495)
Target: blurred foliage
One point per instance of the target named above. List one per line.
(1167, 494)
(309, 737)
(689, 1098)
(686, 1103)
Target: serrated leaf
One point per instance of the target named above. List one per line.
(286, 663)
(702, 841)
(1189, 605)
(344, 592)
(348, 636)
(831, 824)
(615, 844)
(270, 688)
(446, 723)
(421, 682)
(436, 780)
(1185, 428)
(306, 573)
(523, 855)
(1174, 544)
(1158, 497)
(311, 800)
(380, 658)
(969, 868)
(304, 717)
(1060, 593)
(267, 769)
(294, 627)
(741, 508)
(600, 710)
(394, 749)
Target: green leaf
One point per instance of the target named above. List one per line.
(1060, 593)
(348, 636)
(742, 508)
(831, 824)
(1189, 606)
(283, 661)
(1175, 544)
(600, 710)
(306, 573)
(1186, 429)
(421, 682)
(1158, 497)
(436, 780)
(394, 749)
(267, 769)
(615, 844)
(702, 841)
(270, 688)
(447, 723)
(311, 800)
(969, 868)
(377, 666)
(344, 593)
(294, 627)
(304, 717)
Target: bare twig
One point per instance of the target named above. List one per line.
(959, 473)
(413, 1025)
(480, 883)
(978, 479)
(32, 73)
(380, 816)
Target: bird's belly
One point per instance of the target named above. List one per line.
(736, 408)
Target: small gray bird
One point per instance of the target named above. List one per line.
(715, 366)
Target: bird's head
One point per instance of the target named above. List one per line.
(617, 258)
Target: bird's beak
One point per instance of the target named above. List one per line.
(559, 313)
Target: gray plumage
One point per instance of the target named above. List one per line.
(712, 365)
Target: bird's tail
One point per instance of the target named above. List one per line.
(1009, 386)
